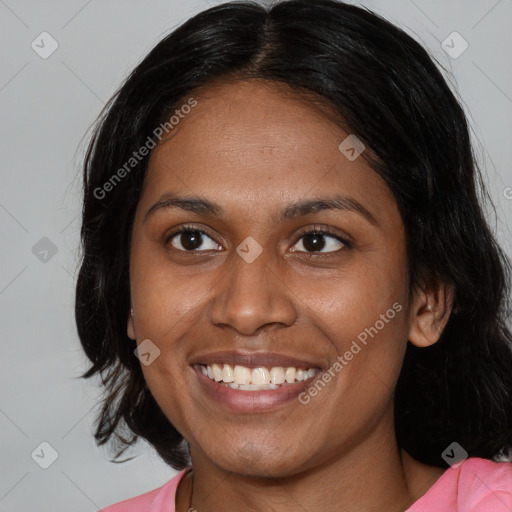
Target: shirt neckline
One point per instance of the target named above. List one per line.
(422, 500)
(419, 502)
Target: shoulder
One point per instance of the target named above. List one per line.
(475, 485)
(499, 472)
(485, 484)
(157, 500)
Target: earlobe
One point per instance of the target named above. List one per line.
(130, 331)
(430, 313)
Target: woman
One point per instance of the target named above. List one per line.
(288, 286)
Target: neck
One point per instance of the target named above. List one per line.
(374, 476)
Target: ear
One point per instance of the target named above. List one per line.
(430, 312)
(131, 326)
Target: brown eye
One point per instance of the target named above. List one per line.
(318, 240)
(190, 240)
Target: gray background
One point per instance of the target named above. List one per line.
(47, 106)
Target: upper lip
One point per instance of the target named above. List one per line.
(252, 359)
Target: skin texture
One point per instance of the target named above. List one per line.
(253, 148)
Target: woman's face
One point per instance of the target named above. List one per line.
(258, 292)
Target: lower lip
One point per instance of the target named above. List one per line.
(251, 401)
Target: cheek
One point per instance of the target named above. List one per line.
(363, 313)
(368, 332)
(346, 303)
(166, 297)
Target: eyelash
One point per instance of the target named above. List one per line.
(317, 230)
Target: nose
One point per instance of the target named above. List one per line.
(251, 296)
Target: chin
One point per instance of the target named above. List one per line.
(257, 459)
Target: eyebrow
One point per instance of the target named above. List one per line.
(203, 206)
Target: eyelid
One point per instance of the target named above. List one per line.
(188, 227)
(327, 230)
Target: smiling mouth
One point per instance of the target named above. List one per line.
(260, 378)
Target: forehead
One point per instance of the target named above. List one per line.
(257, 144)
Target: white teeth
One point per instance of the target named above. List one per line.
(260, 376)
(247, 379)
(217, 372)
(242, 375)
(290, 374)
(256, 387)
(227, 373)
(277, 375)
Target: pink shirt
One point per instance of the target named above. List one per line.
(476, 485)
